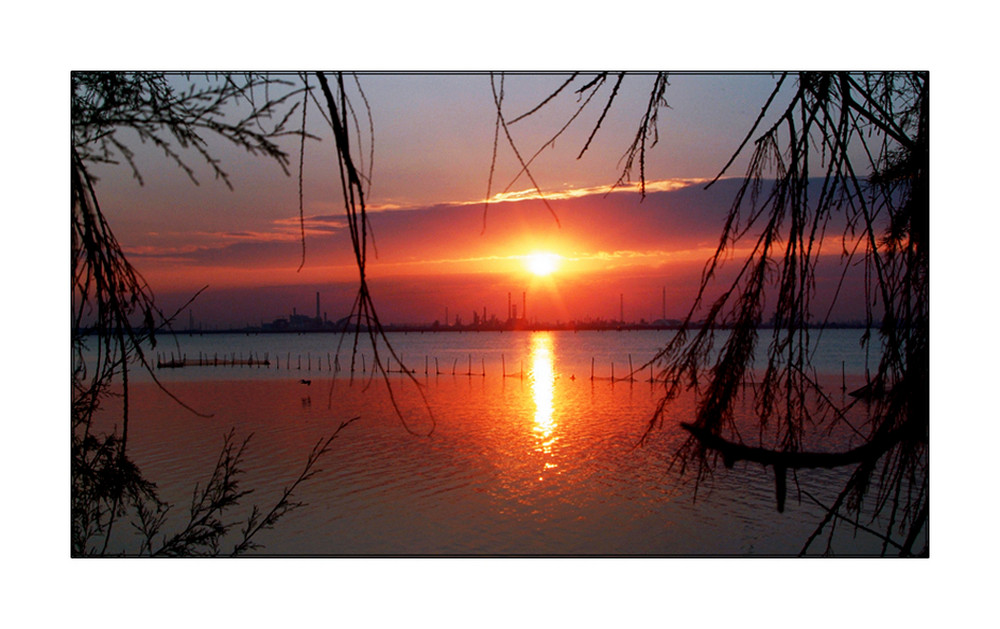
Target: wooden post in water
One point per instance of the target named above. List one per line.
(503, 366)
(437, 369)
(612, 371)
(453, 366)
(483, 365)
(630, 372)
(591, 368)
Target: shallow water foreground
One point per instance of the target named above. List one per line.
(539, 463)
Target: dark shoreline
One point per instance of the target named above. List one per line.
(418, 328)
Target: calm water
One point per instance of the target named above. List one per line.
(543, 461)
(492, 352)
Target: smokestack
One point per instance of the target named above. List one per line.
(509, 311)
(317, 304)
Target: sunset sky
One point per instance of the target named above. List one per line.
(427, 155)
(433, 141)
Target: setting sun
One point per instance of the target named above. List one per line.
(542, 264)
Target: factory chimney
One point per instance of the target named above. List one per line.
(317, 304)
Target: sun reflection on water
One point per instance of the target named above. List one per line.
(543, 380)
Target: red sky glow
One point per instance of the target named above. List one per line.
(434, 247)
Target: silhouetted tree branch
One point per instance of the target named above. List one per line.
(885, 217)
(804, 176)
(114, 310)
(363, 311)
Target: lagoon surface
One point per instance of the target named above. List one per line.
(503, 445)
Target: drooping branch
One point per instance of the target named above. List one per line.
(115, 311)
(547, 99)
(732, 452)
(604, 113)
(497, 100)
(828, 114)
(647, 126)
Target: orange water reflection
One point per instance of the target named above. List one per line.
(543, 380)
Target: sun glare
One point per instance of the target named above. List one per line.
(542, 264)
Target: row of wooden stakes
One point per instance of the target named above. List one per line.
(333, 364)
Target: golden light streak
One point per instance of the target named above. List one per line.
(543, 380)
(530, 194)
